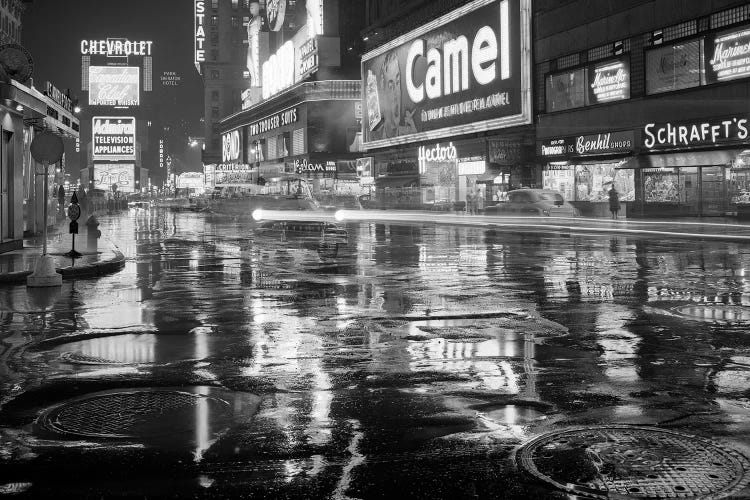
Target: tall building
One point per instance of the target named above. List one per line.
(289, 103)
(648, 96)
(117, 88)
(221, 59)
(11, 12)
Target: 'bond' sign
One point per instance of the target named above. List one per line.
(468, 71)
(113, 137)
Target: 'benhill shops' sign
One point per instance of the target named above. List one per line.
(587, 145)
(468, 71)
(113, 137)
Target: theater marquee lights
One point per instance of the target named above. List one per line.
(200, 31)
(467, 71)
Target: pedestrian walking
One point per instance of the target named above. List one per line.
(614, 202)
(471, 202)
(61, 200)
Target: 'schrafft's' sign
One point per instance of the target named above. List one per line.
(200, 31)
(114, 86)
(113, 137)
(609, 81)
(468, 71)
(710, 132)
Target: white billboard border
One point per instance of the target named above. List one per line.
(523, 118)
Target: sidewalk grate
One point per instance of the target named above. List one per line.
(122, 415)
(636, 462)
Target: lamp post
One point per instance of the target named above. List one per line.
(46, 148)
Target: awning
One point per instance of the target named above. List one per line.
(396, 182)
(684, 159)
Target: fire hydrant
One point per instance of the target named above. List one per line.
(92, 233)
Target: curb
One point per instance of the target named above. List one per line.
(98, 268)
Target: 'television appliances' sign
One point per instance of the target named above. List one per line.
(273, 122)
(609, 81)
(712, 132)
(468, 71)
(728, 56)
(113, 137)
(114, 86)
(588, 145)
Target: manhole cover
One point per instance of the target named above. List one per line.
(638, 462)
(133, 414)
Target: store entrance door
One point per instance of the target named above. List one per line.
(713, 191)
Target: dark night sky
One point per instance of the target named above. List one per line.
(53, 30)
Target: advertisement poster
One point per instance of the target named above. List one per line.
(609, 81)
(113, 137)
(566, 90)
(114, 86)
(121, 175)
(675, 67)
(472, 71)
(728, 55)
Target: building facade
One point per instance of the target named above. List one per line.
(221, 43)
(448, 105)
(296, 128)
(24, 112)
(649, 97)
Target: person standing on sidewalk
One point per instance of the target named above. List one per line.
(614, 202)
(61, 200)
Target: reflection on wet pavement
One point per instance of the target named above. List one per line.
(424, 346)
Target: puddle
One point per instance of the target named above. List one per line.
(718, 313)
(143, 348)
(514, 415)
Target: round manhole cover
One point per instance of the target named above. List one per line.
(133, 414)
(631, 461)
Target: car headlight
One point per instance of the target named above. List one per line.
(545, 212)
(257, 215)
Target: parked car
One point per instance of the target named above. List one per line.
(540, 202)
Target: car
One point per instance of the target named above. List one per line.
(323, 237)
(539, 202)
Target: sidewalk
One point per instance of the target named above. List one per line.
(15, 266)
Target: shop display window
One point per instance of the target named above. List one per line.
(739, 186)
(591, 183)
(662, 186)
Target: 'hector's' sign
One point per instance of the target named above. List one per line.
(467, 71)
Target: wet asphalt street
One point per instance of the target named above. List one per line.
(410, 362)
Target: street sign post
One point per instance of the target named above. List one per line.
(46, 148)
(74, 213)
